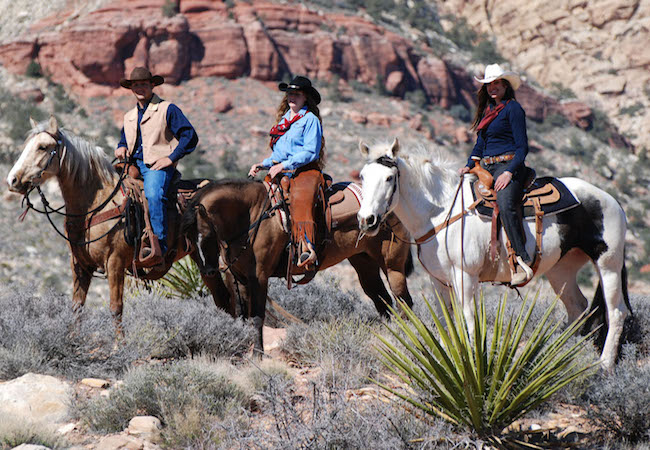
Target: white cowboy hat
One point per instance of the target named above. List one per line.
(494, 72)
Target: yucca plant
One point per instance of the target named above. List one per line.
(184, 280)
(483, 383)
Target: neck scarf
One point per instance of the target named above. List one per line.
(281, 128)
(490, 115)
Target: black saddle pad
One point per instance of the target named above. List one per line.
(567, 199)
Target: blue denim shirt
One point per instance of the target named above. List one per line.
(180, 127)
(300, 145)
(505, 134)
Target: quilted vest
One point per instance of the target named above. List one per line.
(157, 140)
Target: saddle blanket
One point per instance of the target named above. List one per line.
(567, 200)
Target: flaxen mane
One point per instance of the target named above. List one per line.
(81, 160)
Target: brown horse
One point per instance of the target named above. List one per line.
(231, 219)
(90, 186)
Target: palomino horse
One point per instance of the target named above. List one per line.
(231, 219)
(419, 188)
(89, 185)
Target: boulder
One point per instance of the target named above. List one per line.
(35, 398)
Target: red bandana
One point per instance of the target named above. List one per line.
(490, 115)
(281, 128)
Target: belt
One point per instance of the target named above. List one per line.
(498, 159)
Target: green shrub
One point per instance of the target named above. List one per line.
(340, 347)
(481, 383)
(561, 92)
(16, 113)
(632, 109)
(187, 397)
(618, 402)
(417, 97)
(15, 433)
(486, 51)
(33, 69)
(170, 8)
(184, 280)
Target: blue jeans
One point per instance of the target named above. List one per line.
(156, 183)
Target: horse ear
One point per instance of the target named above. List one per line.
(53, 125)
(394, 148)
(363, 148)
(32, 122)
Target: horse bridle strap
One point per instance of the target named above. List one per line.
(432, 232)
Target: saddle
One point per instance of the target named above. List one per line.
(135, 212)
(338, 205)
(542, 197)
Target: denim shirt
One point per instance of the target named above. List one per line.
(505, 134)
(300, 145)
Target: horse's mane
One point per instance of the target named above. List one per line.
(82, 160)
(428, 169)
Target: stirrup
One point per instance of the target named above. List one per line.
(308, 256)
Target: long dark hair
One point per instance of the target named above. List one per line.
(311, 107)
(483, 99)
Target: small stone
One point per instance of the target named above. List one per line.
(95, 382)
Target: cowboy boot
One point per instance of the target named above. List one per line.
(522, 274)
(308, 255)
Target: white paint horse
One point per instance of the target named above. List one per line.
(421, 190)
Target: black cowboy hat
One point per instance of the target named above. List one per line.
(141, 74)
(303, 84)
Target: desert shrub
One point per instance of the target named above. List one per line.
(460, 112)
(170, 8)
(16, 113)
(562, 92)
(632, 109)
(33, 69)
(44, 335)
(486, 51)
(321, 300)
(322, 417)
(184, 395)
(15, 433)
(186, 327)
(341, 347)
(618, 402)
(482, 383)
(184, 280)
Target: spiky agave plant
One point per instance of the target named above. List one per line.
(184, 280)
(481, 383)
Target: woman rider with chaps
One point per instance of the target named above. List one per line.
(297, 146)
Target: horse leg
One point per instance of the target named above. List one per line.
(611, 277)
(216, 286)
(81, 278)
(464, 289)
(115, 274)
(562, 277)
(257, 290)
(368, 272)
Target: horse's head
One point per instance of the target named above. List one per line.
(380, 184)
(40, 159)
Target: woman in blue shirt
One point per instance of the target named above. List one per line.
(502, 146)
(297, 146)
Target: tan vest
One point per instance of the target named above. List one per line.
(157, 140)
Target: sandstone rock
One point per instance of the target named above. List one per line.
(379, 119)
(34, 95)
(461, 135)
(578, 113)
(395, 83)
(120, 442)
(416, 122)
(222, 102)
(145, 427)
(356, 117)
(35, 398)
(95, 382)
(273, 338)
(30, 447)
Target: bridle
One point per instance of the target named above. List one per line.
(58, 150)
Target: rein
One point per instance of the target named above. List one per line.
(387, 161)
(48, 210)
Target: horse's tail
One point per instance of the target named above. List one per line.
(408, 269)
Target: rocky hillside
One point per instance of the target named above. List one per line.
(382, 74)
(597, 49)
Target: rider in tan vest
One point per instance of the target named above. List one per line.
(156, 135)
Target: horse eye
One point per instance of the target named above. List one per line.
(390, 178)
(361, 177)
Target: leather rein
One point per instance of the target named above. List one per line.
(48, 210)
(389, 162)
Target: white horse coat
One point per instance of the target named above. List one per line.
(420, 189)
